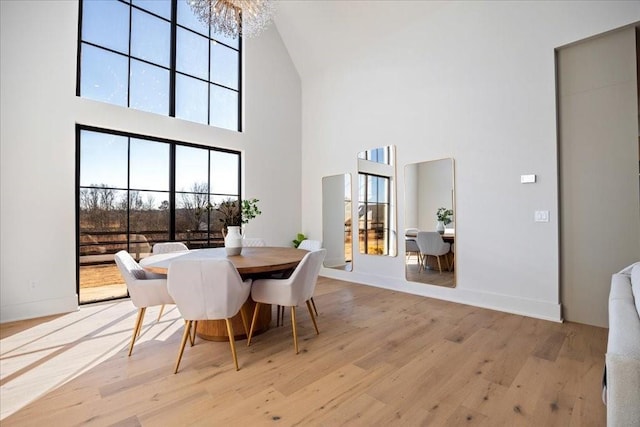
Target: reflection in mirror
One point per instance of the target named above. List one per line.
(336, 221)
(430, 256)
(377, 201)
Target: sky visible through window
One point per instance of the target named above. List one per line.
(104, 161)
(125, 60)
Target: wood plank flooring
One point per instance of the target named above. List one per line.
(382, 358)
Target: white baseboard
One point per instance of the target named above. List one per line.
(506, 303)
(32, 310)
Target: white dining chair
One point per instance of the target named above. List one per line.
(253, 242)
(207, 290)
(167, 247)
(145, 289)
(309, 245)
(431, 244)
(292, 292)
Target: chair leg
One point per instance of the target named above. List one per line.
(313, 303)
(137, 327)
(253, 323)
(439, 266)
(280, 316)
(453, 260)
(293, 327)
(245, 324)
(232, 343)
(313, 319)
(185, 336)
(161, 310)
(192, 335)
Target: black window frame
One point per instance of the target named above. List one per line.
(171, 192)
(172, 61)
(363, 232)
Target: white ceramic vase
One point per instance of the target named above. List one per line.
(233, 240)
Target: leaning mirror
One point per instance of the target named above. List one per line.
(336, 221)
(377, 201)
(429, 233)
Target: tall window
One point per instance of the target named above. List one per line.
(154, 55)
(136, 191)
(373, 214)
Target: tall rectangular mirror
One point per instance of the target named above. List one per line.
(336, 221)
(429, 233)
(377, 201)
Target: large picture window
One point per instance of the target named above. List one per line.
(156, 56)
(135, 191)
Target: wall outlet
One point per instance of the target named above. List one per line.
(541, 216)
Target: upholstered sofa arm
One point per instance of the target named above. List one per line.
(623, 390)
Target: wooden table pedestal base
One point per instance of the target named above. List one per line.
(216, 330)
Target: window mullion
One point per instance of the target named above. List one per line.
(172, 65)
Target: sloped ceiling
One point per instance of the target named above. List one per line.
(318, 33)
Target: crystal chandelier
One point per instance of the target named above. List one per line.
(234, 17)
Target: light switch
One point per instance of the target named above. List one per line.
(541, 216)
(527, 179)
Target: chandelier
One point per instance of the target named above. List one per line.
(232, 18)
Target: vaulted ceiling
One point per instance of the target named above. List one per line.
(318, 33)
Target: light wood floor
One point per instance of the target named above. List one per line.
(430, 276)
(382, 358)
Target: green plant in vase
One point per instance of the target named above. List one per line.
(444, 218)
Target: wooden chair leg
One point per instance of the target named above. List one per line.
(232, 343)
(253, 323)
(439, 266)
(313, 319)
(293, 327)
(161, 310)
(245, 324)
(185, 336)
(192, 335)
(313, 303)
(453, 260)
(137, 327)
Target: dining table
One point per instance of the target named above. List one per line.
(253, 262)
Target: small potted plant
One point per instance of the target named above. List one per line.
(444, 218)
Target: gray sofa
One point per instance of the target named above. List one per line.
(622, 361)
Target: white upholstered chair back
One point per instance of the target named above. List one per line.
(207, 289)
(167, 247)
(295, 290)
(431, 243)
(253, 242)
(146, 289)
(411, 246)
(310, 245)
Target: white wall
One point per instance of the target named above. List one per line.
(469, 80)
(39, 111)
